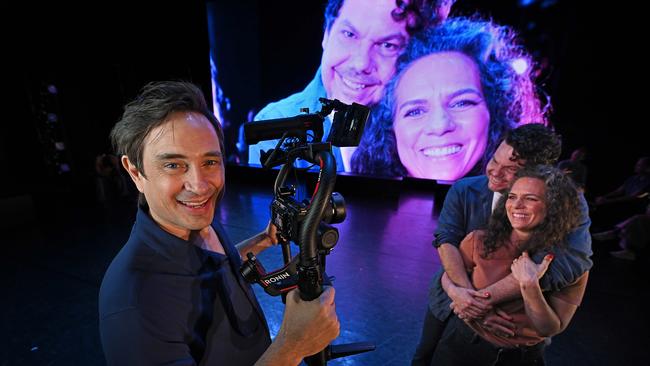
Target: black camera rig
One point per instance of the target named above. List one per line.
(293, 132)
(307, 223)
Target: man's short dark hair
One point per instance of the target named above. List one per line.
(534, 143)
(419, 14)
(151, 109)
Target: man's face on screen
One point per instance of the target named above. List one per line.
(360, 50)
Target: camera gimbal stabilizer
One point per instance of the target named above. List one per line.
(306, 223)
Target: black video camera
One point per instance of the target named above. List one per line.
(347, 127)
(287, 215)
(306, 223)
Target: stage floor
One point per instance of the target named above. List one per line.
(51, 271)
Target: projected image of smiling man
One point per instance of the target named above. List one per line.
(361, 42)
(360, 49)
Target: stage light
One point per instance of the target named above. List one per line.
(519, 65)
(525, 3)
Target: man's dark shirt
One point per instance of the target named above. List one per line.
(166, 301)
(576, 170)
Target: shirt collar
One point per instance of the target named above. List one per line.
(495, 199)
(187, 253)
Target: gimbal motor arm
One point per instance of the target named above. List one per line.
(306, 223)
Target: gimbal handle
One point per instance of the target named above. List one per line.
(310, 267)
(310, 271)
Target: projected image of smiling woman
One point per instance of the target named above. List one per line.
(441, 117)
(454, 94)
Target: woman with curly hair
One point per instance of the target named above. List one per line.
(537, 213)
(458, 87)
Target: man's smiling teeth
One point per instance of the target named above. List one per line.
(194, 204)
(353, 85)
(497, 180)
(441, 151)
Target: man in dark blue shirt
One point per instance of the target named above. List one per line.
(173, 294)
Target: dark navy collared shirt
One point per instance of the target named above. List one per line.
(166, 301)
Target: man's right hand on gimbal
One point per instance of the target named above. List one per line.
(307, 327)
(310, 325)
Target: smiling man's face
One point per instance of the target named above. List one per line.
(183, 173)
(360, 50)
